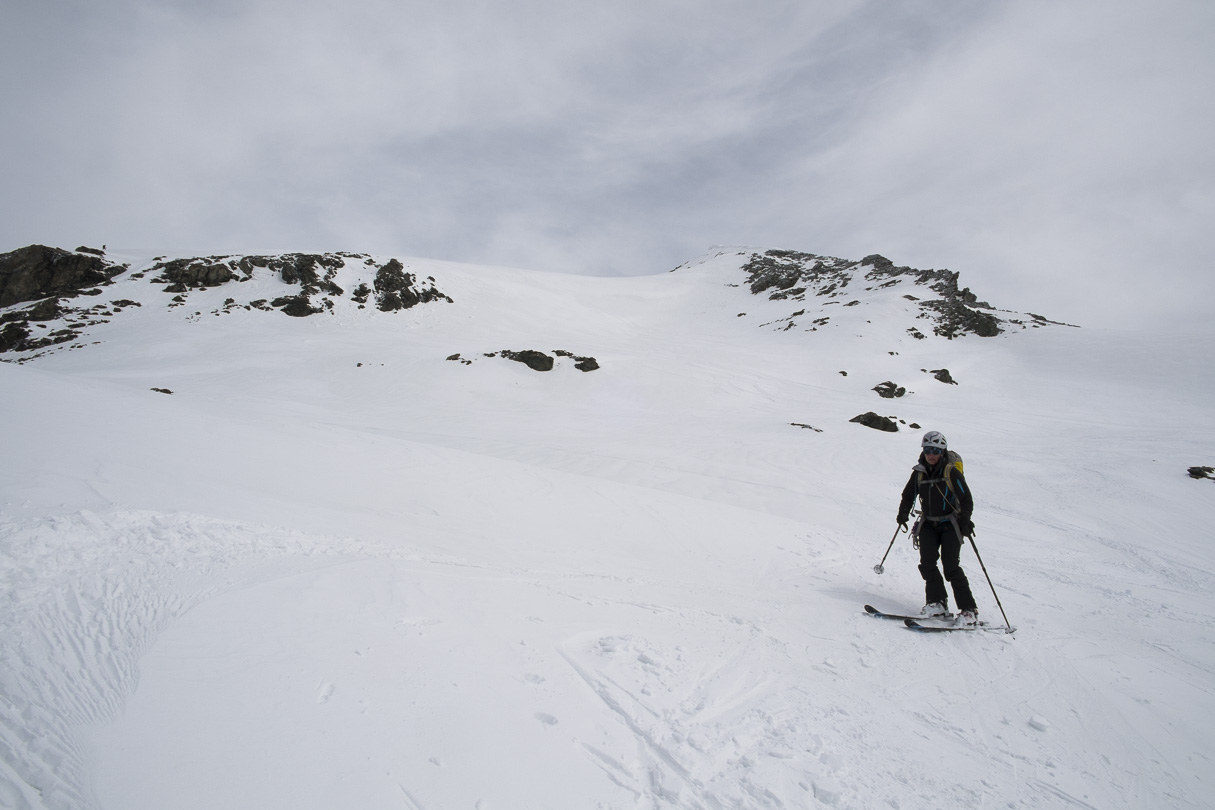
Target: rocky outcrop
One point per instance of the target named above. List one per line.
(941, 374)
(580, 363)
(872, 420)
(55, 285)
(1202, 472)
(889, 390)
(787, 274)
(534, 359)
(396, 289)
(297, 306)
(52, 277)
(37, 271)
(313, 273)
(537, 361)
(954, 318)
(13, 336)
(183, 274)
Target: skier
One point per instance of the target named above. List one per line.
(945, 509)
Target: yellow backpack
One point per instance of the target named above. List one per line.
(954, 463)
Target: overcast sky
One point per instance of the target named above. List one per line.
(1059, 154)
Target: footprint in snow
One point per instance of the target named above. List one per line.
(546, 719)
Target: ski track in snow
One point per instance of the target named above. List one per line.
(745, 711)
(85, 596)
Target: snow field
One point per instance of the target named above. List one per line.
(299, 582)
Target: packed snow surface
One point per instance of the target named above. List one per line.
(336, 569)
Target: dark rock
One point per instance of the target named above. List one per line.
(531, 358)
(162, 390)
(1202, 472)
(13, 336)
(878, 261)
(297, 306)
(310, 270)
(807, 427)
(47, 310)
(785, 274)
(94, 251)
(247, 264)
(943, 375)
(184, 273)
(580, 363)
(954, 318)
(876, 422)
(394, 288)
(889, 390)
(37, 271)
(53, 339)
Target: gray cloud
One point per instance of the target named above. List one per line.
(1040, 148)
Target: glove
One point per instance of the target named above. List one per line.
(902, 521)
(966, 526)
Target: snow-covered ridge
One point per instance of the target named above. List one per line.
(55, 299)
(787, 275)
(74, 292)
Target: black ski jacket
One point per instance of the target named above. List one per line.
(936, 499)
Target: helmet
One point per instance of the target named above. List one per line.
(934, 439)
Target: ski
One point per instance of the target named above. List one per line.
(872, 611)
(914, 624)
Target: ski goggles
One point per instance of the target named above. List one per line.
(933, 451)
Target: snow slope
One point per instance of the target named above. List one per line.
(336, 568)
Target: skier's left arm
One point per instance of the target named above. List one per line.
(966, 504)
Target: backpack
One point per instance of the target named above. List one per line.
(953, 462)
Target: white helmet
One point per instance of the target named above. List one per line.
(934, 440)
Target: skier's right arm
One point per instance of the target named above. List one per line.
(907, 501)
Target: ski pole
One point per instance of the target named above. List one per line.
(880, 567)
(989, 582)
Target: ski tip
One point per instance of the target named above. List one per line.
(871, 609)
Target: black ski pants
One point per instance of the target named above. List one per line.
(942, 540)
